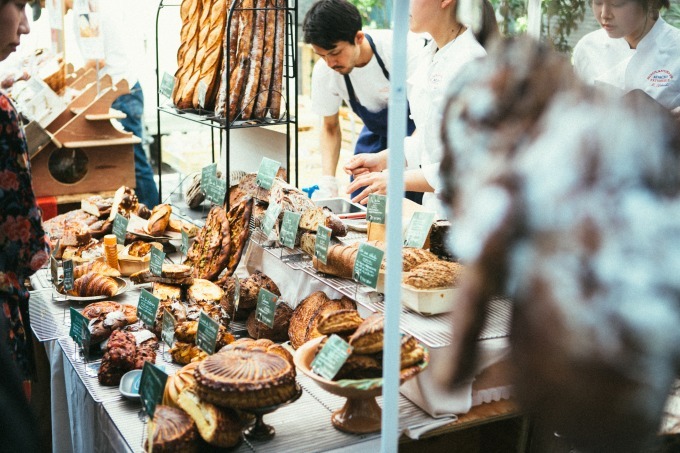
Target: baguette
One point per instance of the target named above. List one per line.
(279, 56)
(242, 63)
(212, 58)
(250, 92)
(159, 219)
(339, 262)
(267, 62)
(186, 54)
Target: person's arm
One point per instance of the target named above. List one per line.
(376, 183)
(330, 139)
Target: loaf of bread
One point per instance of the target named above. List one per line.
(434, 274)
(261, 109)
(239, 71)
(339, 261)
(93, 284)
(276, 87)
(210, 253)
(208, 63)
(98, 267)
(159, 219)
(279, 332)
(315, 217)
(256, 51)
(305, 318)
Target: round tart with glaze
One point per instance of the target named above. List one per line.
(245, 379)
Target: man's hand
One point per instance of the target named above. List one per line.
(360, 164)
(373, 183)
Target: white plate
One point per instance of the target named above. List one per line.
(122, 287)
(129, 384)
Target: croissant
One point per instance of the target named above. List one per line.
(98, 267)
(93, 284)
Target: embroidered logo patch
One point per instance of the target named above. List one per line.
(660, 78)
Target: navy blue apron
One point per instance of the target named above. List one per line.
(373, 136)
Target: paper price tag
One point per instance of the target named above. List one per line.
(78, 323)
(332, 357)
(151, 387)
(377, 206)
(156, 262)
(216, 191)
(323, 241)
(270, 218)
(289, 229)
(266, 307)
(208, 173)
(184, 247)
(147, 308)
(167, 85)
(54, 270)
(267, 172)
(367, 265)
(120, 225)
(68, 274)
(418, 229)
(202, 91)
(168, 328)
(206, 336)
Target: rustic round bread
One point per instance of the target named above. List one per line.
(279, 332)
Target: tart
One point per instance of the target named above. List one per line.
(171, 430)
(245, 379)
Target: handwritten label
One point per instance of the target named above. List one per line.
(184, 246)
(266, 307)
(151, 387)
(168, 328)
(208, 173)
(418, 229)
(120, 225)
(156, 263)
(367, 265)
(206, 336)
(377, 206)
(167, 85)
(270, 218)
(323, 241)
(202, 91)
(79, 323)
(332, 357)
(216, 190)
(267, 172)
(68, 274)
(147, 308)
(289, 229)
(54, 270)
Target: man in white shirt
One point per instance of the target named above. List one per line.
(353, 68)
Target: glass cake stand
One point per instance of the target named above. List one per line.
(260, 430)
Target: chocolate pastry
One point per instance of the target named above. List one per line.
(250, 289)
(171, 430)
(227, 301)
(118, 359)
(245, 379)
(279, 332)
(125, 202)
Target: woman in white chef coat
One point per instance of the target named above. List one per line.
(453, 44)
(634, 49)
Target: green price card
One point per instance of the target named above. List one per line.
(56, 249)
(120, 225)
(168, 328)
(208, 330)
(156, 262)
(68, 274)
(208, 173)
(332, 357)
(202, 91)
(147, 308)
(289, 229)
(184, 247)
(79, 323)
(167, 85)
(418, 229)
(323, 241)
(266, 307)
(54, 270)
(270, 218)
(367, 265)
(267, 172)
(151, 387)
(377, 206)
(216, 191)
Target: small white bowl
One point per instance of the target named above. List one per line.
(129, 384)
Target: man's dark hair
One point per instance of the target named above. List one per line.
(330, 21)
